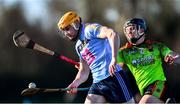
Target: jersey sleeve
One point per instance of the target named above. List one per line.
(92, 30)
(164, 50)
(120, 57)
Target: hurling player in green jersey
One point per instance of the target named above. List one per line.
(144, 58)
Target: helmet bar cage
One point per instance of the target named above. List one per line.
(137, 22)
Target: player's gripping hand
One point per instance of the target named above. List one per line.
(73, 88)
(171, 57)
(77, 66)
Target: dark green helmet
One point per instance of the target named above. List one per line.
(137, 22)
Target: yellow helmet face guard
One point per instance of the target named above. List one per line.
(67, 19)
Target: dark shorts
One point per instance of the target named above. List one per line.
(115, 89)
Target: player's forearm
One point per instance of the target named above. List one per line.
(82, 74)
(114, 43)
(112, 37)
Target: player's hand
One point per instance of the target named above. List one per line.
(112, 67)
(169, 59)
(73, 88)
(77, 66)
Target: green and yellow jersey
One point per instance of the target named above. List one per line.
(144, 61)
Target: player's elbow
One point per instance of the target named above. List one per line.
(112, 34)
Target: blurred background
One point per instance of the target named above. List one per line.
(38, 18)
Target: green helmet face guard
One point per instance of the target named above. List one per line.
(139, 24)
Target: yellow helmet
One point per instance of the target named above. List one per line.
(67, 19)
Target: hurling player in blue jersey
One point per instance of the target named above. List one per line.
(97, 48)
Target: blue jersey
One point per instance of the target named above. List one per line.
(95, 51)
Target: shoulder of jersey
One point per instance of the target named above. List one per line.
(149, 41)
(126, 46)
(129, 45)
(91, 25)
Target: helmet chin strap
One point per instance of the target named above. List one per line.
(134, 40)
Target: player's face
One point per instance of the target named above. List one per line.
(131, 32)
(70, 32)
